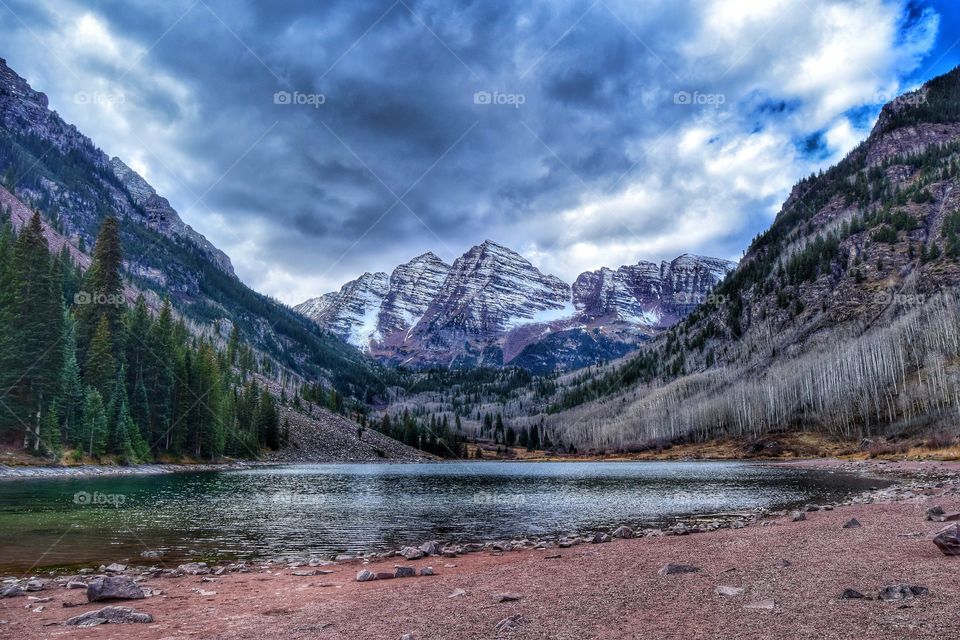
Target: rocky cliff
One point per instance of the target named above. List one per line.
(493, 307)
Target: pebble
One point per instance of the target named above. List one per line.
(673, 569)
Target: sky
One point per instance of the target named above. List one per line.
(313, 141)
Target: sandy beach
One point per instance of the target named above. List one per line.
(612, 590)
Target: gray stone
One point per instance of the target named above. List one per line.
(11, 591)
(851, 594)
(767, 604)
(427, 571)
(902, 592)
(852, 523)
(35, 585)
(109, 615)
(404, 572)
(935, 512)
(509, 624)
(431, 548)
(948, 540)
(115, 567)
(411, 553)
(195, 568)
(730, 592)
(674, 569)
(113, 588)
(505, 597)
(366, 575)
(798, 516)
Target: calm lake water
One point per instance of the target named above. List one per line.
(305, 510)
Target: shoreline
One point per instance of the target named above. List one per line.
(600, 590)
(792, 574)
(43, 471)
(39, 472)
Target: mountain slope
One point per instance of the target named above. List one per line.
(49, 165)
(841, 317)
(492, 307)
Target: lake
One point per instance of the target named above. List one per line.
(304, 510)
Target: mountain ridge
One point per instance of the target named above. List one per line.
(491, 304)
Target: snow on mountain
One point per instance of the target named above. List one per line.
(492, 304)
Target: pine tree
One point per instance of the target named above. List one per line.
(100, 371)
(102, 288)
(49, 440)
(70, 396)
(94, 429)
(32, 365)
(267, 422)
(158, 375)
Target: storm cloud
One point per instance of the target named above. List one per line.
(314, 141)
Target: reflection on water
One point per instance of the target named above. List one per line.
(322, 509)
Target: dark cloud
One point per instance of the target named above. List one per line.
(582, 106)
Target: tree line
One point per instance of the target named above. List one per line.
(84, 371)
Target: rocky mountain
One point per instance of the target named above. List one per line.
(493, 307)
(164, 218)
(48, 165)
(842, 317)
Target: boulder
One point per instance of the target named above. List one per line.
(505, 597)
(674, 569)
(404, 572)
(109, 615)
(431, 548)
(366, 576)
(115, 567)
(411, 553)
(730, 592)
(902, 592)
(851, 594)
(195, 568)
(852, 523)
(113, 588)
(427, 571)
(933, 513)
(35, 585)
(948, 540)
(798, 516)
(509, 624)
(12, 591)
(599, 538)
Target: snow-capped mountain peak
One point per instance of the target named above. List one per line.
(492, 303)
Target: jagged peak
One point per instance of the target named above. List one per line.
(428, 257)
